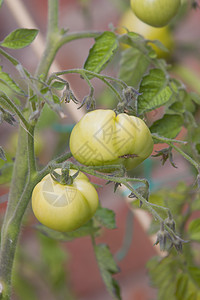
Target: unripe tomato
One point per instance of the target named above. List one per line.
(132, 23)
(157, 13)
(102, 138)
(64, 207)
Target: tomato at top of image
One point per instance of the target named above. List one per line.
(103, 138)
(130, 22)
(157, 13)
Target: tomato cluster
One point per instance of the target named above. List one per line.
(100, 138)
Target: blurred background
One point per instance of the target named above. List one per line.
(47, 269)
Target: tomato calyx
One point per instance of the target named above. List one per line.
(165, 154)
(64, 178)
(89, 101)
(129, 101)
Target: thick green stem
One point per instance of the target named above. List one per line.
(19, 176)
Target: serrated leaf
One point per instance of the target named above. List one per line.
(107, 268)
(154, 91)
(133, 65)
(7, 80)
(101, 52)
(2, 154)
(194, 230)
(106, 217)
(84, 230)
(19, 38)
(132, 39)
(169, 126)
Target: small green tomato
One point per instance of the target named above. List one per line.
(157, 13)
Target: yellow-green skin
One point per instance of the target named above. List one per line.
(157, 13)
(75, 208)
(101, 138)
(132, 23)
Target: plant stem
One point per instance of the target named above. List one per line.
(87, 72)
(9, 233)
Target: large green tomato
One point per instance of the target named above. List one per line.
(132, 23)
(157, 13)
(102, 138)
(64, 207)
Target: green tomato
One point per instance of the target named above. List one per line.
(102, 138)
(64, 207)
(157, 13)
(132, 23)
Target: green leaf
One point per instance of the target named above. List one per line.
(159, 45)
(169, 126)
(84, 230)
(195, 97)
(53, 261)
(154, 90)
(47, 118)
(133, 65)
(194, 230)
(107, 268)
(19, 38)
(2, 154)
(106, 217)
(181, 287)
(163, 274)
(101, 52)
(1, 2)
(58, 85)
(56, 99)
(194, 273)
(8, 81)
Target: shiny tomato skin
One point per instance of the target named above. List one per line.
(103, 138)
(157, 13)
(64, 207)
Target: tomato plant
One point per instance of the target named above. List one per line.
(156, 13)
(102, 138)
(152, 109)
